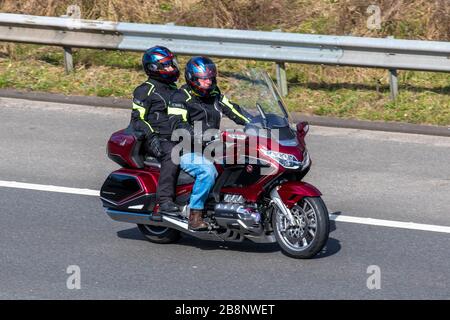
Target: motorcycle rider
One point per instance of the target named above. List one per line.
(201, 100)
(149, 115)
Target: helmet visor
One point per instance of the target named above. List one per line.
(206, 83)
(206, 71)
(168, 67)
(167, 64)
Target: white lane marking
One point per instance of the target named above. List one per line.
(437, 141)
(391, 223)
(42, 187)
(339, 218)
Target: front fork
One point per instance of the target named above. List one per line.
(275, 196)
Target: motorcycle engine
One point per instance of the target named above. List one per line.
(233, 198)
(234, 213)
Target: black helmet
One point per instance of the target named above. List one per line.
(156, 60)
(201, 68)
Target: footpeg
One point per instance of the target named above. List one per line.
(156, 216)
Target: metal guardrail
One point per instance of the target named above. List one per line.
(279, 47)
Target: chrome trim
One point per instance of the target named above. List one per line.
(275, 196)
(130, 217)
(242, 224)
(176, 222)
(306, 160)
(136, 207)
(182, 225)
(169, 222)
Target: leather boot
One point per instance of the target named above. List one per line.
(196, 222)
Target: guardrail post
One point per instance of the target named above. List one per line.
(281, 78)
(74, 13)
(281, 74)
(68, 57)
(393, 81)
(68, 60)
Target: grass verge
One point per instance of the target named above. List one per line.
(319, 90)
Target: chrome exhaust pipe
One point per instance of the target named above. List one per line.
(180, 225)
(169, 222)
(141, 218)
(131, 217)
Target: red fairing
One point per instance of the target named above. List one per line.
(293, 191)
(123, 149)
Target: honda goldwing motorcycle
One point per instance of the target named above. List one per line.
(259, 195)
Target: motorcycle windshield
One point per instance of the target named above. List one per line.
(256, 93)
(258, 96)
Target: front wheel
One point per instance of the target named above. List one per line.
(159, 234)
(310, 232)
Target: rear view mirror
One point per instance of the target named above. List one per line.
(302, 128)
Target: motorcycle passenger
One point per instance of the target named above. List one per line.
(201, 100)
(149, 115)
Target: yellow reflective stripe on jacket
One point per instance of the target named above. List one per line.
(188, 94)
(178, 111)
(226, 102)
(152, 86)
(142, 114)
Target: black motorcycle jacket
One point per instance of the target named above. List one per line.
(150, 103)
(187, 107)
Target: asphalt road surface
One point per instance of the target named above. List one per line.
(364, 174)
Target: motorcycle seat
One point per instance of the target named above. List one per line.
(183, 177)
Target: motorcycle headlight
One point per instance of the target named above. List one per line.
(288, 161)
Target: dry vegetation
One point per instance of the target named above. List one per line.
(422, 19)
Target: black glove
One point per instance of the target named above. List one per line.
(154, 145)
(247, 114)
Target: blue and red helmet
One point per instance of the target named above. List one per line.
(157, 60)
(201, 68)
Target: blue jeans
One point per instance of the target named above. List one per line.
(205, 174)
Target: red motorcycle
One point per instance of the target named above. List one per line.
(259, 194)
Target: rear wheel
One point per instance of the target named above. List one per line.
(310, 232)
(159, 234)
